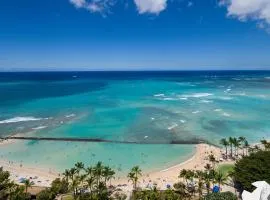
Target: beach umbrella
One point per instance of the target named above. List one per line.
(22, 180)
(216, 189)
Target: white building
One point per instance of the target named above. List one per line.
(262, 192)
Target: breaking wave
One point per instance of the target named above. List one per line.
(19, 119)
(197, 95)
(39, 127)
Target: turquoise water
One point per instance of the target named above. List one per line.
(142, 107)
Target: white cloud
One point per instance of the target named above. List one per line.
(103, 6)
(94, 6)
(150, 6)
(258, 10)
(78, 3)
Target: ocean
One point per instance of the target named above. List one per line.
(152, 108)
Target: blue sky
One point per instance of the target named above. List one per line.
(134, 34)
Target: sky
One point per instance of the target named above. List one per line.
(55, 35)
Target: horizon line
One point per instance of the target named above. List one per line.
(133, 70)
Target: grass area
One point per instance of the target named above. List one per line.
(67, 197)
(225, 168)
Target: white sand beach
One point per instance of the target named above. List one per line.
(40, 177)
(44, 177)
(170, 175)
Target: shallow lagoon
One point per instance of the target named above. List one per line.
(129, 106)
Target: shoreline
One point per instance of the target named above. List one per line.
(161, 178)
(40, 177)
(180, 164)
(169, 176)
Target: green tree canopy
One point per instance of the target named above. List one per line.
(255, 167)
(221, 196)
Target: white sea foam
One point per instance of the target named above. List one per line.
(225, 98)
(152, 118)
(19, 119)
(206, 101)
(218, 110)
(39, 127)
(226, 114)
(239, 94)
(228, 90)
(186, 84)
(197, 95)
(183, 98)
(71, 115)
(169, 99)
(159, 95)
(195, 112)
(145, 136)
(172, 126)
(183, 121)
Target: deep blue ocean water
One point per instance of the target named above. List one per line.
(148, 107)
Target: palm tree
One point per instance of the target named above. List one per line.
(236, 144)
(131, 177)
(208, 176)
(180, 188)
(266, 144)
(90, 182)
(200, 188)
(81, 178)
(183, 174)
(27, 184)
(74, 185)
(208, 167)
(98, 170)
(72, 173)
(231, 141)
(207, 180)
(90, 178)
(102, 191)
(134, 174)
(108, 174)
(246, 146)
(79, 166)
(212, 159)
(190, 175)
(242, 140)
(256, 148)
(200, 176)
(225, 143)
(263, 141)
(66, 174)
(220, 178)
(137, 173)
(89, 171)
